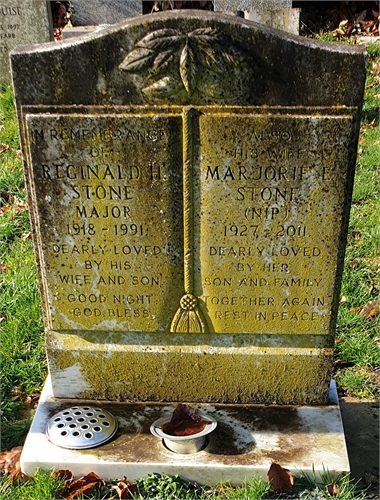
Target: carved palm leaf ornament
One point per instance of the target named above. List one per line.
(182, 66)
(185, 67)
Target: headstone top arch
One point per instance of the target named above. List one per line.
(190, 57)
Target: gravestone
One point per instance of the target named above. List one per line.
(22, 23)
(286, 19)
(94, 12)
(189, 192)
(278, 14)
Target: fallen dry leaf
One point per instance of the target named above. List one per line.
(125, 489)
(18, 475)
(280, 479)
(369, 310)
(31, 402)
(64, 474)
(10, 464)
(185, 412)
(84, 485)
(80, 489)
(3, 268)
(373, 123)
(333, 490)
(4, 195)
(339, 361)
(184, 427)
(26, 236)
(356, 235)
(10, 459)
(376, 68)
(17, 391)
(338, 33)
(185, 421)
(373, 289)
(369, 26)
(342, 363)
(4, 147)
(15, 205)
(20, 207)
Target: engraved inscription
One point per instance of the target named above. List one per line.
(230, 231)
(22, 22)
(109, 199)
(267, 245)
(10, 26)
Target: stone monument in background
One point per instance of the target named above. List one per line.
(95, 12)
(22, 22)
(189, 179)
(278, 14)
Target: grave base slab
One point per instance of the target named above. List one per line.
(247, 440)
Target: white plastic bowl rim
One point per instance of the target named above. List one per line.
(156, 430)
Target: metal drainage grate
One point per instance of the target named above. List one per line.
(81, 427)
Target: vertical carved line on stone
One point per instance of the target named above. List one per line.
(188, 318)
(188, 236)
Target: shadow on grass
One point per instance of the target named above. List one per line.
(361, 428)
(371, 115)
(14, 433)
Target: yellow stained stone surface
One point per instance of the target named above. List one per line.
(269, 205)
(189, 179)
(256, 241)
(200, 373)
(109, 198)
(190, 254)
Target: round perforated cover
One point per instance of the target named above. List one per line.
(81, 427)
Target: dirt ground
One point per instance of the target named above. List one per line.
(361, 427)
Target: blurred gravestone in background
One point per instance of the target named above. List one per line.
(22, 22)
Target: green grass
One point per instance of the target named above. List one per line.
(22, 349)
(22, 346)
(8, 120)
(356, 335)
(22, 353)
(42, 486)
(309, 487)
(371, 100)
(164, 486)
(255, 488)
(45, 485)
